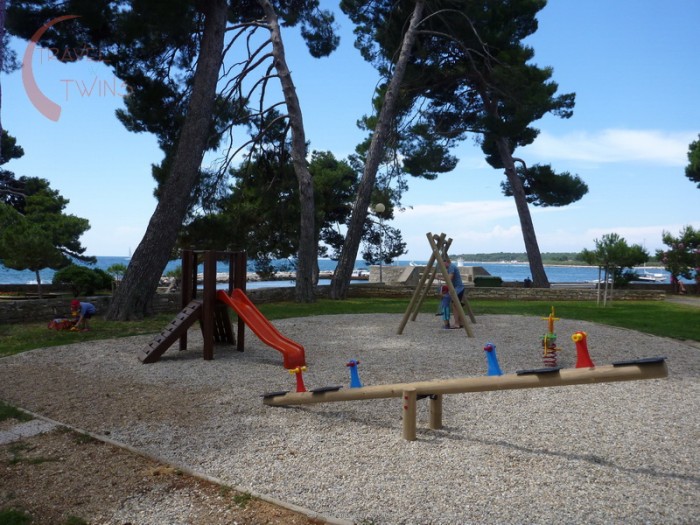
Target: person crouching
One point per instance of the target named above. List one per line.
(84, 312)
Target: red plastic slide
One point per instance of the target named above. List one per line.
(292, 351)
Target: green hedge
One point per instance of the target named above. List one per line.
(83, 280)
(490, 281)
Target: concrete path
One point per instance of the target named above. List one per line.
(690, 300)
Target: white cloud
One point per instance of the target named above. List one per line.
(472, 226)
(494, 226)
(500, 235)
(617, 145)
(462, 212)
(646, 236)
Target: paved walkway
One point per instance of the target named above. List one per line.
(690, 300)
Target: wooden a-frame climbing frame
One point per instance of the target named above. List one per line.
(439, 246)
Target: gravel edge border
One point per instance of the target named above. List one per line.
(190, 472)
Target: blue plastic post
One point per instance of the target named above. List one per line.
(354, 374)
(492, 360)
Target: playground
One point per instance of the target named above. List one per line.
(601, 453)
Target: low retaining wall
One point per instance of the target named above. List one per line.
(33, 310)
(38, 310)
(516, 294)
(271, 295)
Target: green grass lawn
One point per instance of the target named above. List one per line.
(16, 338)
(654, 317)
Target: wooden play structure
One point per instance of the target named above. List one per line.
(212, 315)
(439, 246)
(410, 393)
(212, 312)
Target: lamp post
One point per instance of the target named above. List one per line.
(379, 208)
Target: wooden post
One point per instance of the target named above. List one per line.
(409, 414)
(414, 298)
(435, 411)
(186, 291)
(232, 258)
(425, 287)
(208, 304)
(240, 279)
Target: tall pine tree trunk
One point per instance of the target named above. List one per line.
(308, 248)
(348, 255)
(38, 284)
(539, 277)
(3, 9)
(133, 298)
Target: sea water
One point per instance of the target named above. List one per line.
(509, 272)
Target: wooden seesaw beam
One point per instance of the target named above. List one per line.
(653, 368)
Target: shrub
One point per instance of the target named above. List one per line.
(10, 412)
(175, 274)
(117, 271)
(488, 281)
(14, 517)
(83, 280)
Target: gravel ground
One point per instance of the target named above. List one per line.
(607, 453)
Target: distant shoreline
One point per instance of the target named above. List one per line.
(509, 271)
(553, 265)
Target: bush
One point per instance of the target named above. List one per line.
(83, 280)
(492, 281)
(117, 271)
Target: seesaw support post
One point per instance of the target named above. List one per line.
(409, 414)
(435, 422)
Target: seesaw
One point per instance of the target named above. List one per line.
(649, 368)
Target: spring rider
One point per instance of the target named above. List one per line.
(354, 374)
(492, 360)
(583, 359)
(549, 342)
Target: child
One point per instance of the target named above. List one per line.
(445, 304)
(84, 311)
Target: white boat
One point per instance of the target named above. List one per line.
(649, 277)
(600, 281)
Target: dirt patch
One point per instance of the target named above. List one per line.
(63, 474)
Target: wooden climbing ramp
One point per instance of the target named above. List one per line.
(176, 329)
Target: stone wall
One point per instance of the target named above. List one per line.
(267, 295)
(33, 310)
(39, 310)
(508, 293)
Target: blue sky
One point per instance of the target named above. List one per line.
(633, 67)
